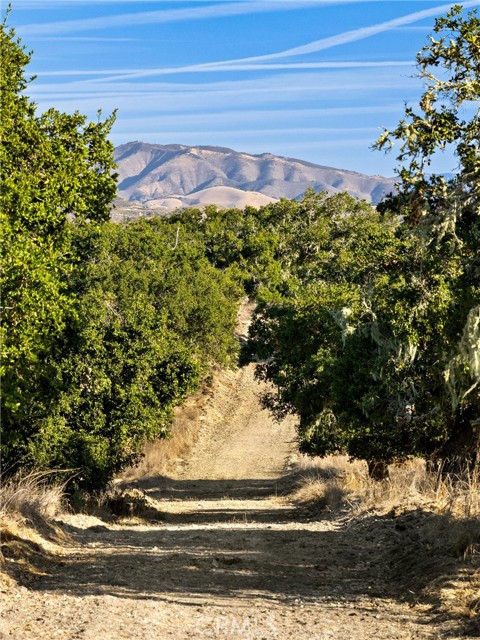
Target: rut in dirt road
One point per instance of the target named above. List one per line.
(240, 451)
(231, 557)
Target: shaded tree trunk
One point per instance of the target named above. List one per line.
(461, 452)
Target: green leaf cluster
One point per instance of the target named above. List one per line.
(368, 320)
(374, 339)
(151, 320)
(105, 328)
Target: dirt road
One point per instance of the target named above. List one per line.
(229, 557)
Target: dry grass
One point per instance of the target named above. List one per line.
(319, 483)
(160, 455)
(31, 499)
(428, 524)
(29, 505)
(409, 485)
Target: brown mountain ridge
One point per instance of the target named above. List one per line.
(166, 177)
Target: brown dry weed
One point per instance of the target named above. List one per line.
(30, 538)
(443, 512)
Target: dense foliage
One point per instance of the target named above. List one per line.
(375, 342)
(52, 165)
(105, 328)
(368, 320)
(444, 213)
(152, 317)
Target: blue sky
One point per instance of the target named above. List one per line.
(309, 79)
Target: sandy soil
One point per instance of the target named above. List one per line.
(228, 557)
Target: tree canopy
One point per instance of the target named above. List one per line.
(105, 328)
(376, 342)
(368, 319)
(52, 166)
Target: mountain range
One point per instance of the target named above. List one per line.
(167, 177)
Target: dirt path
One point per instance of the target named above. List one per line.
(231, 558)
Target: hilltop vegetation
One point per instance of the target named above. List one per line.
(368, 320)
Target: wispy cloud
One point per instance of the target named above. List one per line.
(81, 39)
(258, 91)
(43, 3)
(137, 73)
(46, 4)
(265, 117)
(233, 9)
(241, 64)
(304, 88)
(421, 29)
(56, 3)
(204, 11)
(354, 35)
(218, 10)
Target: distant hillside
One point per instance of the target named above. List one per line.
(164, 177)
(124, 211)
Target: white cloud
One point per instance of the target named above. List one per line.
(311, 47)
(208, 10)
(144, 98)
(56, 3)
(274, 117)
(81, 39)
(218, 10)
(353, 35)
(49, 4)
(138, 73)
(274, 133)
(323, 80)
